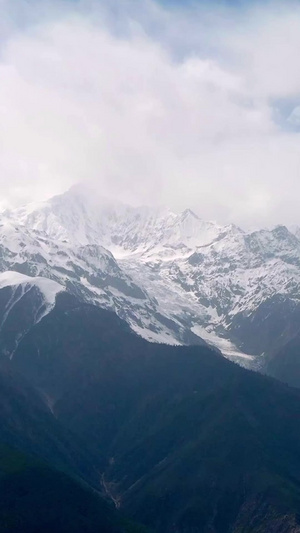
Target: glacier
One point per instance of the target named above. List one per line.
(173, 277)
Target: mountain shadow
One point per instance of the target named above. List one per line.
(189, 442)
(36, 497)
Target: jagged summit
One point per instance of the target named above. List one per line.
(189, 213)
(83, 216)
(174, 277)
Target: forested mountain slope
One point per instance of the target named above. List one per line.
(189, 440)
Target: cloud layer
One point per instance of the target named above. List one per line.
(187, 107)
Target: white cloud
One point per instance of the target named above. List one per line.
(294, 117)
(153, 106)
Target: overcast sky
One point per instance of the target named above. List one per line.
(177, 103)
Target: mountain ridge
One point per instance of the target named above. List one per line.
(173, 277)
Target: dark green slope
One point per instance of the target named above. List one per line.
(27, 423)
(35, 498)
(205, 457)
(210, 459)
(192, 442)
(284, 364)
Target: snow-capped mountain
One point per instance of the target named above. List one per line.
(80, 217)
(24, 301)
(173, 277)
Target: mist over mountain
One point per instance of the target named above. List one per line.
(149, 266)
(174, 278)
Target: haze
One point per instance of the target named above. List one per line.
(154, 103)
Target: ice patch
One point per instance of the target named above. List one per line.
(226, 347)
(47, 287)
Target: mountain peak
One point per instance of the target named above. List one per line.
(189, 213)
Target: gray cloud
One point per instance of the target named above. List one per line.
(152, 106)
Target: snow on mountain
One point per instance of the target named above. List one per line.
(48, 288)
(24, 301)
(89, 271)
(174, 277)
(295, 230)
(78, 217)
(230, 277)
